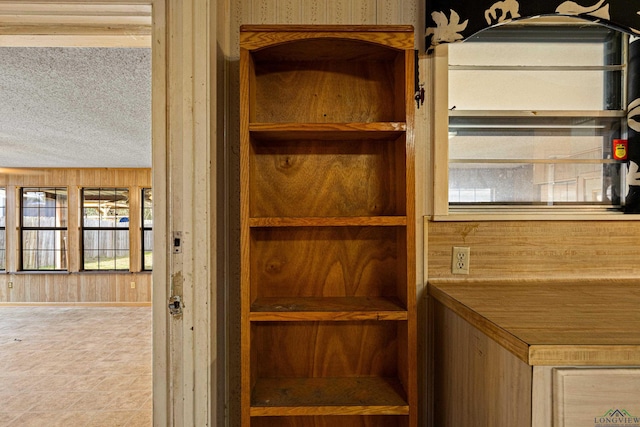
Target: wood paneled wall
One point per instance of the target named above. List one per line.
(515, 250)
(74, 286)
(100, 288)
(81, 177)
(337, 12)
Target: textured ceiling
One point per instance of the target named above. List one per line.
(75, 107)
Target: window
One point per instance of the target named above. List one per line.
(3, 227)
(105, 229)
(533, 112)
(147, 229)
(44, 228)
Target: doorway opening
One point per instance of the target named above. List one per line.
(77, 172)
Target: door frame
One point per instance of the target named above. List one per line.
(185, 367)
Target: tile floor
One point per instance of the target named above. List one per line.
(75, 366)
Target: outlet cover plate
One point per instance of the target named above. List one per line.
(460, 260)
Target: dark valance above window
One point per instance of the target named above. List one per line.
(454, 20)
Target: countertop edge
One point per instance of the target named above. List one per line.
(584, 355)
(516, 346)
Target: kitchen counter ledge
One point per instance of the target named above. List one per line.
(552, 322)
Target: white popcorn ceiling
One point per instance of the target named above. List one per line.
(75, 107)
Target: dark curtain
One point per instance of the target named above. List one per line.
(455, 20)
(632, 203)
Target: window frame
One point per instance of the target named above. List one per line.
(144, 229)
(22, 228)
(441, 207)
(84, 228)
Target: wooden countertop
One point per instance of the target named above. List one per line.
(593, 322)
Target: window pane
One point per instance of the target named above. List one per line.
(29, 249)
(529, 121)
(90, 207)
(524, 160)
(532, 138)
(2, 250)
(147, 232)
(29, 260)
(30, 217)
(540, 183)
(106, 207)
(107, 239)
(106, 249)
(3, 224)
(121, 242)
(3, 209)
(517, 44)
(529, 90)
(90, 245)
(147, 208)
(44, 209)
(62, 209)
(107, 260)
(147, 246)
(108, 210)
(46, 240)
(44, 249)
(60, 237)
(529, 147)
(122, 262)
(537, 68)
(122, 249)
(121, 198)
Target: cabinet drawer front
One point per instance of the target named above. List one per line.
(596, 397)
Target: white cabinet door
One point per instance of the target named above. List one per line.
(596, 397)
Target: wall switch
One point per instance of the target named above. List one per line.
(10, 284)
(460, 260)
(133, 285)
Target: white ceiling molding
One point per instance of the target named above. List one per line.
(69, 25)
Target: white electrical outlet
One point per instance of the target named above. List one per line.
(460, 260)
(133, 285)
(10, 285)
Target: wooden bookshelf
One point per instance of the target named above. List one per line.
(327, 226)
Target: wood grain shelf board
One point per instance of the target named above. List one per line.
(382, 221)
(328, 396)
(327, 131)
(553, 323)
(327, 309)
